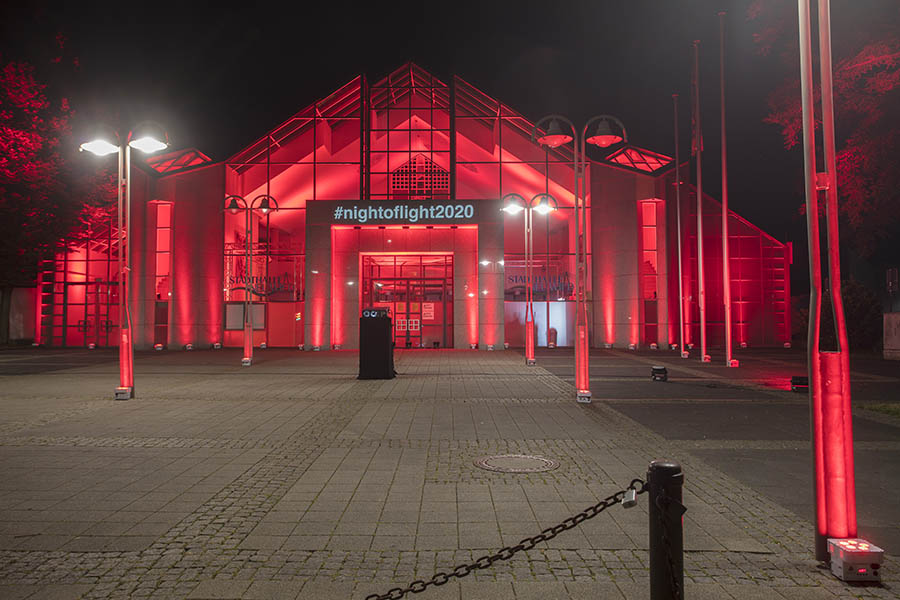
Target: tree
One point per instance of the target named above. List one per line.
(866, 70)
(41, 200)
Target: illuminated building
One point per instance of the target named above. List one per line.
(388, 195)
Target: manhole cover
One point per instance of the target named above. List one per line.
(516, 463)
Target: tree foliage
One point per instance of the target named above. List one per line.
(866, 73)
(43, 198)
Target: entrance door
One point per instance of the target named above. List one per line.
(417, 290)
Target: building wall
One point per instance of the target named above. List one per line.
(196, 307)
(615, 258)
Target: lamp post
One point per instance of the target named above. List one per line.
(543, 204)
(148, 137)
(603, 136)
(234, 203)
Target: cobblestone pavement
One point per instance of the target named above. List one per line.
(292, 479)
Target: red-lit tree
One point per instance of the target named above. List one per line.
(866, 65)
(41, 200)
(866, 70)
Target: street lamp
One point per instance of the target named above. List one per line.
(554, 137)
(265, 204)
(147, 137)
(543, 204)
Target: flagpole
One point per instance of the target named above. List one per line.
(726, 267)
(698, 136)
(678, 231)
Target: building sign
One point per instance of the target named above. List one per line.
(428, 311)
(404, 212)
(556, 285)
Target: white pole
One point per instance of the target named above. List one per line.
(701, 300)
(726, 268)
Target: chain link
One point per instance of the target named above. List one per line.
(484, 562)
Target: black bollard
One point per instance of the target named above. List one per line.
(665, 479)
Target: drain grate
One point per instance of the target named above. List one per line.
(516, 463)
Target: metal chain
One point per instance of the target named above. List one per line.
(663, 501)
(484, 562)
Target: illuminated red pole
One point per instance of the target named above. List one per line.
(829, 372)
(529, 289)
(678, 232)
(726, 267)
(698, 137)
(125, 391)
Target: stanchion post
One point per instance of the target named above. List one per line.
(665, 480)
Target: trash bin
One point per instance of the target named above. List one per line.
(376, 347)
(551, 337)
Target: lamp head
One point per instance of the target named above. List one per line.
(513, 205)
(101, 142)
(554, 137)
(148, 137)
(545, 204)
(604, 136)
(267, 203)
(233, 205)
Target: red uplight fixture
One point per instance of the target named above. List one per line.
(554, 136)
(604, 137)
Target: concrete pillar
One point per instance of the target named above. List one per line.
(490, 280)
(317, 326)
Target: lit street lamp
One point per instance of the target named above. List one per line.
(543, 204)
(234, 203)
(147, 137)
(554, 137)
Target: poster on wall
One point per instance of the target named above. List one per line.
(428, 311)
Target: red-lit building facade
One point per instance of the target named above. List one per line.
(389, 194)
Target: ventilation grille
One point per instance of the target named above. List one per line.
(420, 179)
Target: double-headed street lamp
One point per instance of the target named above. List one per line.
(265, 204)
(543, 204)
(147, 137)
(603, 136)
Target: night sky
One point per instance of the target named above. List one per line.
(219, 77)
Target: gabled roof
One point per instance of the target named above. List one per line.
(177, 160)
(639, 159)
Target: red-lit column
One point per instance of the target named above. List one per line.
(125, 391)
(829, 372)
(529, 289)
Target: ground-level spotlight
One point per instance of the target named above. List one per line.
(300, 347)
(607, 346)
(491, 347)
(855, 559)
(632, 346)
(336, 346)
(743, 345)
(473, 346)
(158, 347)
(217, 346)
(92, 346)
(316, 348)
(653, 346)
(707, 358)
(659, 373)
(263, 346)
(690, 346)
(800, 383)
(685, 354)
(787, 345)
(188, 346)
(506, 345)
(734, 363)
(673, 346)
(246, 361)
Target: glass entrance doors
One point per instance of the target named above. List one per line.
(418, 292)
